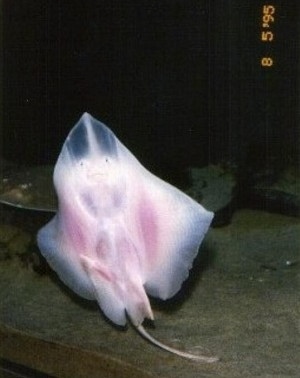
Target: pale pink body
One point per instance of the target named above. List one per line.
(120, 232)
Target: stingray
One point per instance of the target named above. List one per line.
(120, 233)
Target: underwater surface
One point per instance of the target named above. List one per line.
(241, 303)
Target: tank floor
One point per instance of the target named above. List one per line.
(241, 303)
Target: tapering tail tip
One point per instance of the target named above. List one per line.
(180, 353)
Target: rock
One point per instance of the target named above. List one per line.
(13, 241)
(281, 195)
(214, 187)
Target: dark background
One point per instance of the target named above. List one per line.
(178, 81)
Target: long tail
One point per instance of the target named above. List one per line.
(180, 353)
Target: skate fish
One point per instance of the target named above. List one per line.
(120, 232)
